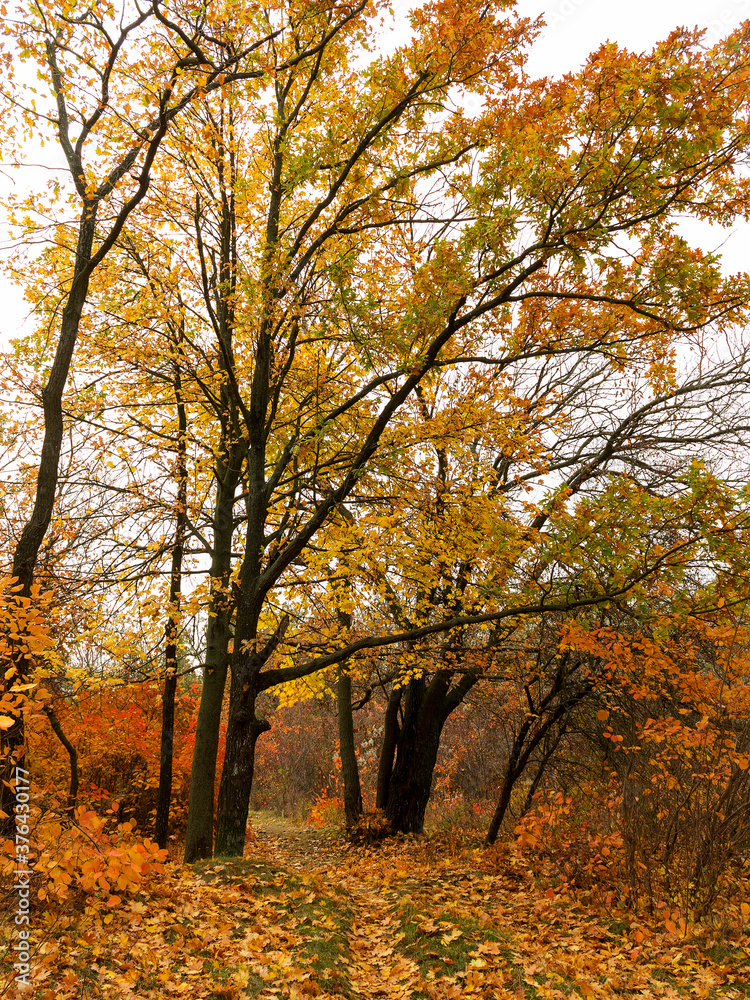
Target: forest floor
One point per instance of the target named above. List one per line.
(304, 914)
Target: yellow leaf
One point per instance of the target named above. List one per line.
(602, 715)
(6, 722)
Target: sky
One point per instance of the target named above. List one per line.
(574, 28)
(577, 27)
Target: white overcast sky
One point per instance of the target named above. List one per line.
(577, 27)
(574, 28)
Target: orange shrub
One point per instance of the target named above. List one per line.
(117, 733)
(90, 856)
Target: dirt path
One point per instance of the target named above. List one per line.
(298, 847)
(373, 966)
(305, 915)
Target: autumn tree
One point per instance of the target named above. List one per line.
(466, 535)
(295, 401)
(112, 84)
(449, 289)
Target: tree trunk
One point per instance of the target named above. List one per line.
(416, 754)
(512, 774)
(388, 748)
(426, 708)
(243, 730)
(542, 767)
(522, 751)
(200, 826)
(231, 458)
(161, 825)
(32, 536)
(347, 751)
(72, 755)
(411, 781)
(27, 549)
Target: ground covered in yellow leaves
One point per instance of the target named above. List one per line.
(306, 915)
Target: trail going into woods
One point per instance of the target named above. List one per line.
(373, 966)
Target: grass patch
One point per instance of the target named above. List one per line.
(324, 924)
(432, 943)
(733, 963)
(232, 871)
(449, 946)
(315, 912)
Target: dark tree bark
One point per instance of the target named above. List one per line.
(161, 825)
(388, 748)
(519, 757)
(199, 834)
(27, 550)
(426, 708)
(243, 731)
(72, 756)
(347, 751)
(32, 536)
(416, 755)
(166, 753)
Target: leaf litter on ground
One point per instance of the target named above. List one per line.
(303, 915)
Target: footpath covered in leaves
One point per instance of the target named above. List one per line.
(304, 915)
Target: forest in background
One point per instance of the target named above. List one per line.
(378, 456)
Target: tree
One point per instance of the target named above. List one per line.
(98, 65)
(121, 64)
(298, 269)
(559, 683)
(464, 536)
(583, 202)
(672, 733)
(94, 68)
(347, 751)
(161, 823)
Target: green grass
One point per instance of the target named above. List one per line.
(319, 915)
(256, 875)
(734, 958)
(324, 924)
